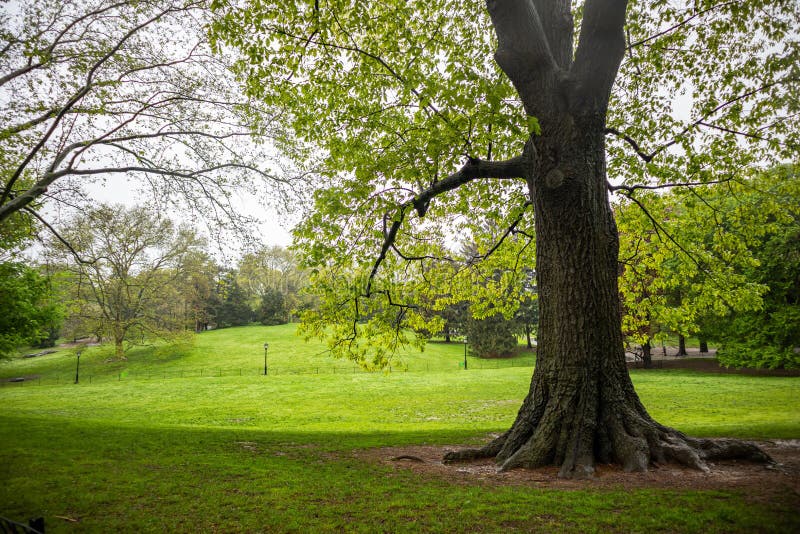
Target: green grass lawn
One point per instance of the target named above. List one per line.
(233, 352)
(275, 454)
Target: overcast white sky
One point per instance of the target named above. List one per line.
(273, 229)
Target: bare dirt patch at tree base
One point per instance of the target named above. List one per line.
(758, 481)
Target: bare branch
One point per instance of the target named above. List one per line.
(631, 188)
(83, 91)
(679, 25)
(512, 229)
(728, 130)
(58, 40)
(18, 202)
(646, 157)
(58, 236)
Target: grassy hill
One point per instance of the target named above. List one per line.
(278, 453)
(234, 351)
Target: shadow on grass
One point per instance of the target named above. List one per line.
(100, 477)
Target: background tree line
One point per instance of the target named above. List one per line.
(131, 276)
(719, 262)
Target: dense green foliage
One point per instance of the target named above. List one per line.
(272, 310)
(391, 97)
(28, 309)
(770, 336)
(231, 302)
(719, 261)
(492, 336)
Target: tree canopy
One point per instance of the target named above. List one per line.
(424, 136)
(397, 95)
(105, 90)
(124, 266)
(30, 310)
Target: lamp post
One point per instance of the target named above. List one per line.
(266, 347)
(77, 366)
(465, 353)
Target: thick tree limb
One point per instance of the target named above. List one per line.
(472, 169)
(559, 26)
(524, 54)
(600, 51)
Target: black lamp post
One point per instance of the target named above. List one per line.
(266, 347)
(465, 353)
(77, 366)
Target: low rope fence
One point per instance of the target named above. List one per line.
(272, 371)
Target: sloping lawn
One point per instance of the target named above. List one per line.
(277, 454)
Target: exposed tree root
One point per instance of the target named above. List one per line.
(408, 457)
(634, 454)
(622, 433)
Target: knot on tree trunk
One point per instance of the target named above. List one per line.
(554, 179)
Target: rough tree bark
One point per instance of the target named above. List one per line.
(581, 407)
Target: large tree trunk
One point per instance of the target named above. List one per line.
(581, 407)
